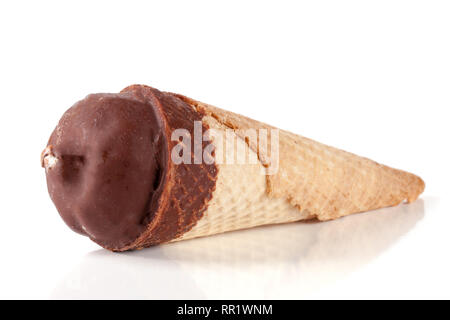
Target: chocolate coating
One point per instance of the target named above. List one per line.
(110, 176)
(110, 167)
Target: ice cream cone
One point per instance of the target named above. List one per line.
(129, 193)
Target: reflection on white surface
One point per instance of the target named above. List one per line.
(283, 261)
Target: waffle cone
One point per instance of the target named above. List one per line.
(113, 172)
(312, 181)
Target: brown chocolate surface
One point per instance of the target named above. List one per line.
(109, 172)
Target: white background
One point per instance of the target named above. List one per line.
(370, 77)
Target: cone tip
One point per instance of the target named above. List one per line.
(417, 186)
